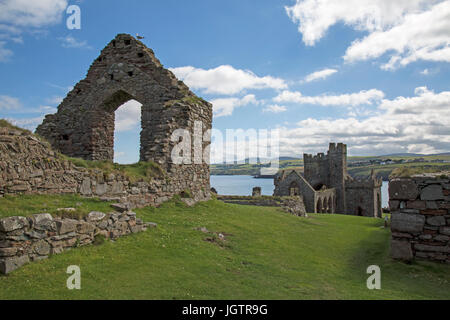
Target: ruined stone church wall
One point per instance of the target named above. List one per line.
(126, 69)
(337, 161)
(316, 169)
(360, 202)
(420, 220)
(283, 188)
(29, 166)
(363, 196)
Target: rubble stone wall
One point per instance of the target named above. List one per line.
(24, 240)
(29, 166)
(420, 221)
(290, 204)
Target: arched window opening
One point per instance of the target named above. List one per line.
(127, 130)
(320, 186)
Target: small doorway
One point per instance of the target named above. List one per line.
(360, 212)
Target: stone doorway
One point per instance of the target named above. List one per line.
(127, 132)
(360, 212)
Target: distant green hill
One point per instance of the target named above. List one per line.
(357, 166)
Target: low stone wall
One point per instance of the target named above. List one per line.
(293, 205)
(420, 221)
(23, 240)
(29, 166)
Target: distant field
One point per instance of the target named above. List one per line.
(267, 254)
(382, 171)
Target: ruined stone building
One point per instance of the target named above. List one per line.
(326, 186)
(126, 69)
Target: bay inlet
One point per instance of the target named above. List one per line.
(243, 185)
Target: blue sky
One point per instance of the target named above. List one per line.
(370, 73)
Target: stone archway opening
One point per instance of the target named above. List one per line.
(320, 186)
(360, 212)
(319, 206)
(127, 132)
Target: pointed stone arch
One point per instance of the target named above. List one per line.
(319, 205)
(126, 69)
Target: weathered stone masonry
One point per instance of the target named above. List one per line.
(326, 186)
(29, 166)
(23, 240)
(420, 221)
(293, 204)
(126, 69)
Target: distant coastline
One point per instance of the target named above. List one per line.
(357, 166)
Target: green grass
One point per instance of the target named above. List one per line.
(135, 172)
(6, 124)
(26, 205)
(267, 254)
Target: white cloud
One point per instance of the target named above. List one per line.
(405, 124)
(47, 109)
(421, 36)
(9, 103)
(25, 13)
(319, 75)
(19, 16)
(56, 100)
(225, 80)
(225, 106)
(408, 30)
(354, 99)
(425, 72)
(128, 116)
(275, 109)
(27, 123)
(71, 42)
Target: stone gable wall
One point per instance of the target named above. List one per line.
(24, 240)
(420, 221)
(126, 69)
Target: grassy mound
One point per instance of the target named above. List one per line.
(6, 124)
(242, 252)
(27, 205)
(135, 172)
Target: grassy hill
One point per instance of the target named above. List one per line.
(267, 254)
(428, 164)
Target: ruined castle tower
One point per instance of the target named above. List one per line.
(329, 171)
(326, 186)
(337, 164)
